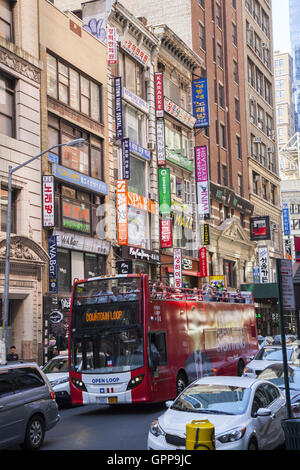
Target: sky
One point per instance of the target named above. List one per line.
(281, 30)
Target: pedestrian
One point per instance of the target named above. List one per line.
(13, 356)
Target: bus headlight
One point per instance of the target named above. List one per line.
(78, 384)
(135, 382)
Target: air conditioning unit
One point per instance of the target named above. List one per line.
(270, 149)
(151, 146)
(257, 140)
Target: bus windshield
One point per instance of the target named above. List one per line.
(106, 326)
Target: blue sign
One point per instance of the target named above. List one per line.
(200, 102)
(52, 247)
(52, 157)
(140, 151)
(84, 181)
(125, 159)
(118, 107)
(256, 278)
(286, 220)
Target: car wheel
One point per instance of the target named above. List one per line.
(253, 444)
(181, 382)
(35, 433)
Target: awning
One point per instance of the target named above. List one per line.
(185, 273)
(262, 291)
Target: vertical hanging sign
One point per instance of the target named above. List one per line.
(200, 102)
(118, 107)
(165, 232)
(159, 95)
(286, 219)
(177, 267)
(48, 201)
(263, 257)
(122, 223)
(203, 262)
(160, 142)
(125, 159)
(202, 181)
(52, 247)
(112, 47)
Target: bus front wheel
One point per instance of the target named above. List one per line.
(181, 382)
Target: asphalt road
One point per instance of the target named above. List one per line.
(117, 427)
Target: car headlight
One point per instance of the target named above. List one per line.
(231, 436)
(59, 381)
(155, 429)
(248, 370)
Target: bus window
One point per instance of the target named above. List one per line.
(158, 343)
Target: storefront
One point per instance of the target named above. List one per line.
(190, 271)
(137, 260)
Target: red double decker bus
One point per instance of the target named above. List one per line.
(131, 342)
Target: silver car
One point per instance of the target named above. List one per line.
(27, 406)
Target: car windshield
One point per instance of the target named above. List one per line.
(270, 353)
(56, 365)
(208, 398)
(276, 376)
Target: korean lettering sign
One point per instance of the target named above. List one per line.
(112, 49)
(200, 102)
(159, 95)
(160, 142)
(165, 232)
(126, 159)
(48, 201)
(122, 224)
(286, 219)
(135, 51)
(118, 107)
(263, 256)
(202, 180)
(203, 262)
(177, 267)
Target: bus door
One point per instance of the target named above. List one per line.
(158, 362)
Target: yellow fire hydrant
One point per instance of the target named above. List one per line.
(200, 435)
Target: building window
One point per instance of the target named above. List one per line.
(219, 15)
(264, 188)
(255, 180)
(273, 193)
(134, 125)
(7, 106)
(87, 159)
(137, 182)
(202, 37)
(224, 175)
(6, 19)
(240, 185)
(220, 55)
(238, 147)
(223, 135)
(221, 96)
(229, 269)
(3, 209)
(235, 72)
(201, 3)
(69, 86)
(132, 75)
(237, 109)
(234, 34)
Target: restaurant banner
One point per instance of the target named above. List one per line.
(122, 224)
(159, 95)
(126, 159)
(202, 181)
(203, 262)
(177, 260)
(118, 107)
(200, 102)
(160, 142)
(48, 201)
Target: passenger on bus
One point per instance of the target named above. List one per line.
(104, 295)
(225, 295)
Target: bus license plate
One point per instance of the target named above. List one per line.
(113, 400)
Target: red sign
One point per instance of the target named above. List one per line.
(166, 233)
(112, 47)
(159, 95)
(48, 201)
(203, 262)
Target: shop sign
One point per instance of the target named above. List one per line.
(52, 247)
(139, 150)
(160, 142)
(179, 160)
(286, 219)
(260, 228)
(140, 202)
(135, 100)
(112, 46)
(141, 254)
(202, 180)
(187, 264)
(159, 95)
(55, 316)
(118, 107)
(200, 102)
(124, 267)
(177, 262)
(77, 242)
(125, 159)
(256, 277)
(122, 224)
(164, 190)
(165, 232)
(75, 216)
(204, 234)
(84, 181)
(288, 248)
(135, 51)
(287, 285)
(217, 281)
(203, 262)
(178, 113)
(263, 256)
(48, 201)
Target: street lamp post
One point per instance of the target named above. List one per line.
(11, 170)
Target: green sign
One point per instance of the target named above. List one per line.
(179, 160)
(164, 190)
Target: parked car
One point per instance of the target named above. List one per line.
(275, 374)
(268, 355)
(57, 372)
(27, 406)
(246, 414)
